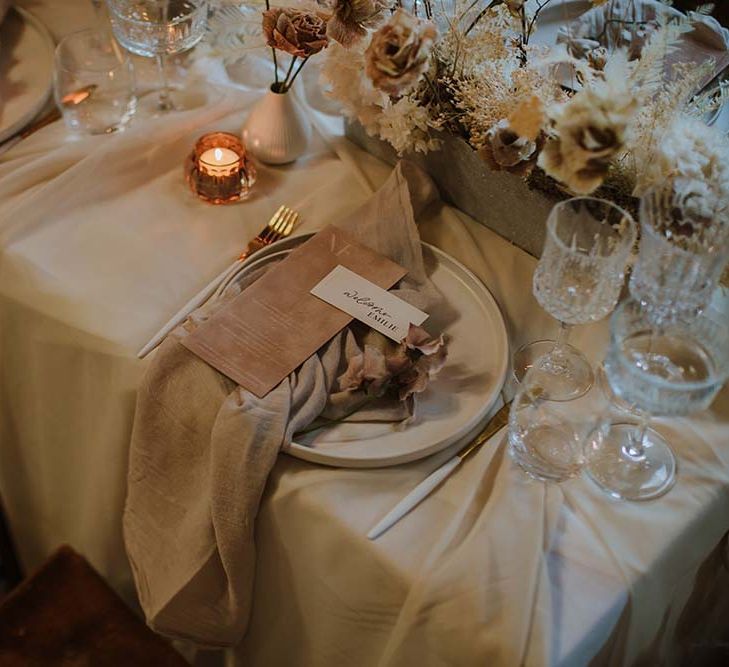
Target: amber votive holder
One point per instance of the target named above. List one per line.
(219, 170)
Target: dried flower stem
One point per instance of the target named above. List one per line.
(273, 53)
(480, 15)
(530, 27)
(296, 73)
(288, 72)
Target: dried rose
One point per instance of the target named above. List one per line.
(351, 18)
(300, 33)
(580, 157)
(506, 150)
(590, 130)
(399, 52)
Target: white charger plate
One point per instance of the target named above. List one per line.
(457, 400)
(26, 70)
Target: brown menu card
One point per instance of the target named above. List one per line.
(274, 325)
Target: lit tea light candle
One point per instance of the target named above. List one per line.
(219, 170)
(219, 162)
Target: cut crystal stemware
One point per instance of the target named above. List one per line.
(577, 280)
(675, 368)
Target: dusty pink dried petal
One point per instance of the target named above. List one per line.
(419, 339)
(375, 366)
(398, 360)
(413, 381)
(353, 377)
(433, 363)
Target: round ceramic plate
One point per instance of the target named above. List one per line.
(456, 402)
(26, 70)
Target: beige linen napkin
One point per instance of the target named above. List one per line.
(202, 448)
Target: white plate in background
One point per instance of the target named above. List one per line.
(26, 70)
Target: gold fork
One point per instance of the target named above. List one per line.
(280, 225)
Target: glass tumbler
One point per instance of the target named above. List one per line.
(683, 251)
(577, 280)
(93, 84)
(545, 440)
(675, 368)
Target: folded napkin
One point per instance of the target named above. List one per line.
(202, 447)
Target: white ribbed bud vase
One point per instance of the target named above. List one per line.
(277, 130)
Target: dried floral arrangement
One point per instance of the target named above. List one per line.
(409, 73)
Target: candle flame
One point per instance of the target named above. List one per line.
(218, 154)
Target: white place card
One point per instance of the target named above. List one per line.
(365, 301)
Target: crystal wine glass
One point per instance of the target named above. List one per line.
(675, 368)
(545, 440)
(156, 29)
(683, 250)
(577, 280)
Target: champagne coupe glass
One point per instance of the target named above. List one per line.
(684, 247)
(675, 368)
(545, 440)
(156, 29)
(577, 280)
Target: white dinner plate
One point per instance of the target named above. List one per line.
(458, 399)
(26, 70)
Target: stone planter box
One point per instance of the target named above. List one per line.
(500, 200)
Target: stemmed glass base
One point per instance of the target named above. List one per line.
(626, 473)
(565, 373)
(151, 104)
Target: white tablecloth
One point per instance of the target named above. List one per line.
(101, 243)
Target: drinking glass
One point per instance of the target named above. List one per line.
(577, 280)
(675, 368)
(683, 251)
(544, 439)
(156, 29)
(93, 83)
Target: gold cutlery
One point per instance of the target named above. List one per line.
(429, 484)
(280, 226)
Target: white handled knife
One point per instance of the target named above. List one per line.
(424, 489)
